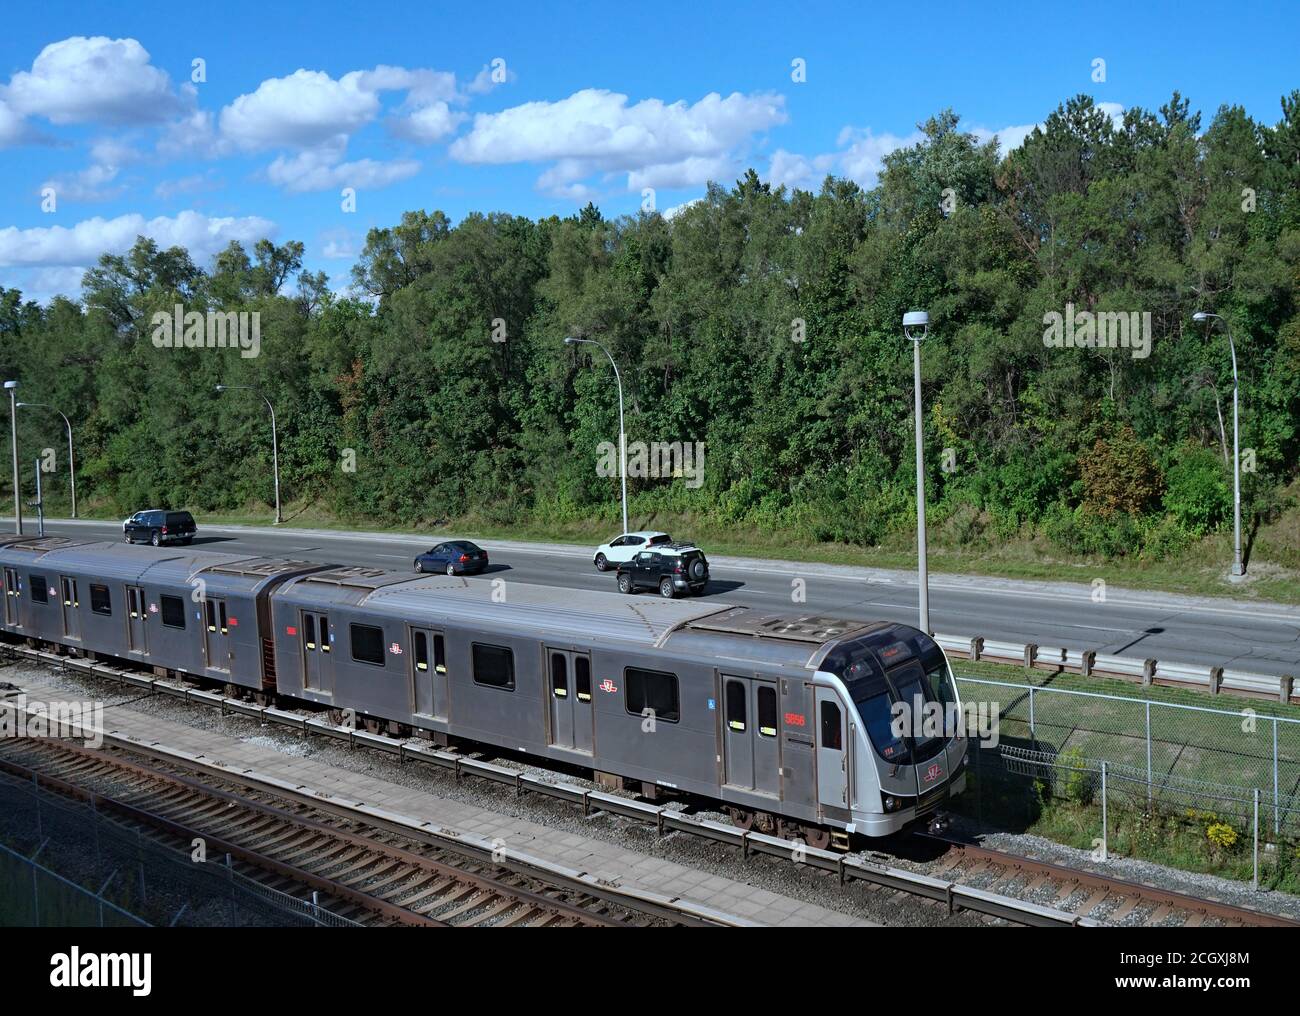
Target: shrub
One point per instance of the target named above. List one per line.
(1119, 476)
(1077, 782)
(1198, 492)
(1221, 835)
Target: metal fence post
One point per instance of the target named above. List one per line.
(1105, 843)
(1254, 881)
(1150, 790)
(1277, 818)
(1032, 732)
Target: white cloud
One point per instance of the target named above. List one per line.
(94, 183)
(487, 79)
(197, 182)
(12, 128)
(317, 169)
(193, 136)
(864, 157)
(597, 131)
(44, 284)
(792, 170)
(859, 156)
(83, 243)
(93, 80)
(428, 124)
(676, 210)
(338, 244)
(307, 109)
(304, 109)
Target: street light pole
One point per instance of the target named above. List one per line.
(916, 325)
(1238, 569)
(72, 462)
(622, 435)
(11, 387)
(275, 443)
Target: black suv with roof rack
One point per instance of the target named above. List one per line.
(159, 527)
(670, 568)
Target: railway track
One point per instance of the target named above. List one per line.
(986, 882)
(1109, 899)
(366, 875)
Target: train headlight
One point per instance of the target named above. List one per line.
(891, 803)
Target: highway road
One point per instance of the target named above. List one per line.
(1259, 637)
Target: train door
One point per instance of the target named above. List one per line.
(832, 751)
(428, 673)
(217, 645)
(570, 700)
(12, 590)
(752, 749)
(316, 648)
(71, 607)
(137, 632)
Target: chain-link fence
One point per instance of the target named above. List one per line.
(1174, 755)
(64, 864)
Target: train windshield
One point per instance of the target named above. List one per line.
(914, 681)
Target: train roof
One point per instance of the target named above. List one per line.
(519, 605)
(711, 629)
(155, 564)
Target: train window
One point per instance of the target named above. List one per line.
(368, 644)
(308, 629)
(40, 593)
(211, 611)
(651, 690)
(832, 731)
(767, 711)
(173, 611)
(101, 602)
(937, 678)
(559, 675)
(439, 654)
(494, 666)
(582, 678)
(736, 706)
(421, 651)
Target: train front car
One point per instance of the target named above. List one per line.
(908, 751)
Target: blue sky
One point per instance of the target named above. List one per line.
(511, 107)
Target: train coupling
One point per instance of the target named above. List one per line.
(939, 824)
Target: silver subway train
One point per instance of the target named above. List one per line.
(783, 719)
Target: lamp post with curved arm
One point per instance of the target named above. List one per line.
(72, 462)
(1238, 569)
(622, 435)
(275, 445)
(916, 326)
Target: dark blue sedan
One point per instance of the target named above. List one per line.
(455, 557)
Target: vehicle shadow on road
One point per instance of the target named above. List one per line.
(717, 586)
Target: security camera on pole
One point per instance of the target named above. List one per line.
(916, 325)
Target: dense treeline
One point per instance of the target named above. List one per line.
(1101, 450)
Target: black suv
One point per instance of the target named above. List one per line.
(671, 568)
(159, 527)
